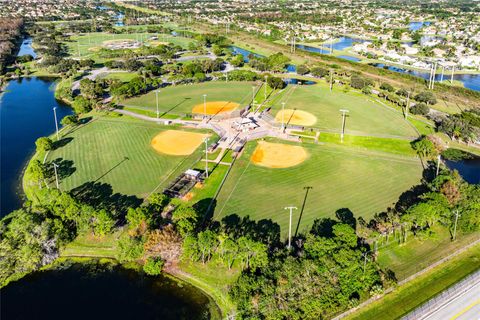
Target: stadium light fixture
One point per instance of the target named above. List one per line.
(344, 114)
(56, 122)
(156, 98)
(204, 105)
(55, 166)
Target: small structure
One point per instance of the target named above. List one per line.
(245, 124)
(183, 183)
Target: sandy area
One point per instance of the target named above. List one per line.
(278, 155)
(215, 107)
(297, 117)
(177, 143)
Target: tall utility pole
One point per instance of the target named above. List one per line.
(455, 227)
(443, 71)
(331, 80)
(56, 175)
(204, 105)
(283, 116)
(344, 114)
(56, 122)
(156, 98)
(206, 157)
(331, 46)
(434, 74)
(290, 226)
(253, 93)
(439, 158)
(365, 254)
(407, 106)
(453, 71)
(265, 91)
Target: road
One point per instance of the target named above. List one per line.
(464, 307)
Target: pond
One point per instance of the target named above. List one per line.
(26, 113)
(471, 81)
(26, 48)
(469, 169)
(103, 291)
(350, 58)
(244, 52)
(298, 81)
(417, 25)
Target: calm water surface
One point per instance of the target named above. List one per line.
(26, 113)
(95, 291)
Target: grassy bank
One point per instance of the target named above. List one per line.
(407, 297)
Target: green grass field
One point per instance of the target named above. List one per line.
(181, 99)
(365, 117)
(366, 181)
(117, 151)
(87, 43)
(409, 296)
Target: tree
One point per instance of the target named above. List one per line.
(81, 105)
(138, 220)
(366, 90)
(252, 254)
(103, 223)
(185, 220)
(153, 266)
(319, 72)
(275, 82)
(129, 248)
(302, 69)
(70, 120)
(44, 144)
(420, 108)
(387, 87)
(165, 243)
(38, 172)
(424, 147)
(207, 241)
(237, 61)
(426, 97)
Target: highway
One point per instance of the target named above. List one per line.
(464, 307)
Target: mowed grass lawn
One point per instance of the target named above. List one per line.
(117, 151)
(88, 42)
(365, 117)
(182, 98)
(364, 181)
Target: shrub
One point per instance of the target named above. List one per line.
(426, 97)
(302, 69)
(44, 144)
(153, 266)
(420, 108)
(319, 72)
(275, 83)
(387, 87)
(366, 90)
(359, 82)
(81, 105)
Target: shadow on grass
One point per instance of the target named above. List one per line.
(174, 107)
(264, 230)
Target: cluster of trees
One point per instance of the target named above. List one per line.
(464, 126)
(275, 63)
(10, 32)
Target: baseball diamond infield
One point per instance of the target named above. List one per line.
(177, 143)
(215, 107)
(297, 117)
(278, 155)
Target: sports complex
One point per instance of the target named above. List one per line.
(264, 149)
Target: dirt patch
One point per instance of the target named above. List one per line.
(278, 155)
(297, 117)
(215, 107)
(117, 44)
(177, 143)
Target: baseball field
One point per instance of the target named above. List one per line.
(121, 152)
(315, 106)
(183, 99)
(364, 181)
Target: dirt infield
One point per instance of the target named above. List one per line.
(297, 117)
(215, 107)
(116, 44)
(177, 143)
(277, 155)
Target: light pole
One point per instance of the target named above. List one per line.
(438, 164)
(156, 98)
(344, 114)
(455, 227)
(265, 91)
(283, 116)
(290, 226)
(204, 105)
(365, 254)
(56, 122)
(56, 175)
(253, 93)
(407, 106)
(206, 157)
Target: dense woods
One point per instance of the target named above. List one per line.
(10, 36)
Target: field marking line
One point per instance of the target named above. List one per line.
(465, 310)
(234, 187)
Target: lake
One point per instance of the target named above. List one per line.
(417, 25)
(26, 48)
(26, 113)
(469, 169)
(470, 81)
(103, 291)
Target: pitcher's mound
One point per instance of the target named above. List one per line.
(277, 155)
(215, 107)
(298, 117)
(177, 143)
